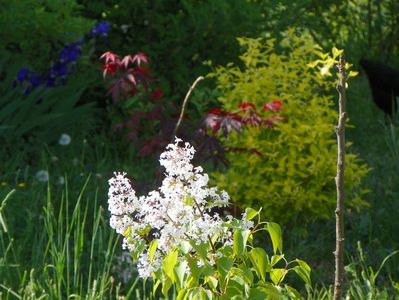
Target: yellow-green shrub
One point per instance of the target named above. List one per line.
(293, 179)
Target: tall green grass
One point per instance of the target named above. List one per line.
(73, 253)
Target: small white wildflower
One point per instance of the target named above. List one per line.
(42, 176)
(125, 28)
(54, 159)
(75, 161)
(61, 180)
(65, 139)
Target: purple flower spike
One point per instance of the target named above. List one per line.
(22, 74)
(70, 53)
(100, 29)
(34, 80)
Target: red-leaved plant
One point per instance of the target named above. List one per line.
(128, 74)
(147, 114)
(218, 120)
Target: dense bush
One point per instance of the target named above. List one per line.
(291, 175)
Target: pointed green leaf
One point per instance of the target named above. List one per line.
(303, 270)
(250, 213)
(212, 282)
(293, 293)
(275, 234)
(260, 262)
(152, 249)
(169, 263)
(277, 275)
(257, 294)
(224, 264)
(240, 238)
(275, 259)
(182, 294)
(166, 285)
(206, 295)
(180, 271)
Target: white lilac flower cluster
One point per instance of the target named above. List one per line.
(179, 211)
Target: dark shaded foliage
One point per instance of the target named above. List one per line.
(384, 84)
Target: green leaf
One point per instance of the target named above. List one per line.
(206, 295)
(166, 285)
(336, 52)
(257, 294)
(212, 282)
(224, 264)
(179, 272)
(245, 273)
(127, 232)
(168, 264)
(260, 262)
(240, 241)
(193, 293)
(303, 270)
(139, 246)
(188, 200)
(195, 271)
(273, 292)
(275, 234)
(144, 231)
(152, 249)
(181, 295)
(277, 275)
(236, 287)
(156, 285)
(276, 258)
(201, 249)
(250, 213)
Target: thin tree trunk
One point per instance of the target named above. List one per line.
(184, 105)
(339, 180)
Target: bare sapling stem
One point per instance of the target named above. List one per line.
(183, 109)
(339, 181)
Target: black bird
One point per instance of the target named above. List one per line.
(384, 84)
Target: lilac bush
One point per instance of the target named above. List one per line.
(176, 238)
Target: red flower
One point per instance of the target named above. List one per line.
(273, 105)
(245, 105)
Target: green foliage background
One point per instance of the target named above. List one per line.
(298, 156)
(178, 35)
(293, 179)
